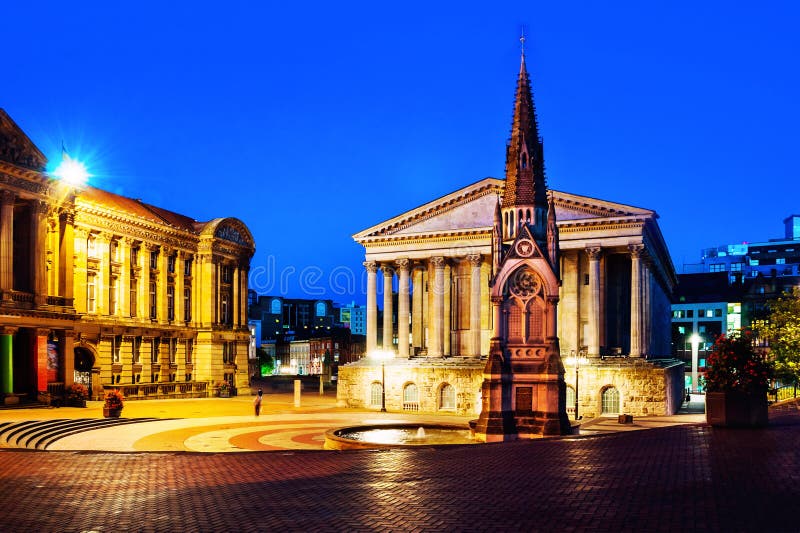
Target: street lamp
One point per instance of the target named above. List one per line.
(382, 356)
(695, 339)
(577, 361)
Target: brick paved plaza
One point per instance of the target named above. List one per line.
(681, 478)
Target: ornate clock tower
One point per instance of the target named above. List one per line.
(523, 394)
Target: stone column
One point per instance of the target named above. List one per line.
(475, 261)
(417, 324)
(103, 277)
(66, 258)
(388, 330)
(447, 313)
(402, 307)
(372, 306)
(161, 284)
(6, 242)
(143, 287)
(38, 247)
(437, 313)
(179, 260)
(124, 279)
(593, 342)
(637, 251)
(40, 356)
(68, 356)
(236, 303)
(497, 314)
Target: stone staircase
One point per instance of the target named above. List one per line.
(39, 434)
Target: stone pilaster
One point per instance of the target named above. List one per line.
(372, 306)
(6, 241)
(417, 323)
(37, 250)
(475, 261)
(402, 307)
(66, 255)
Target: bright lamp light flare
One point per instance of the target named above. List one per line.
(72, 172)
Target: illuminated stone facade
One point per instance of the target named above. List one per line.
(606, 279)
(110, 291)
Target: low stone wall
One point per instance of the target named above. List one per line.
(646, 387)
(465, 376)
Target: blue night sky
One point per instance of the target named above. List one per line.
(313, 121)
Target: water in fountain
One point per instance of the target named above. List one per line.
(421, 433)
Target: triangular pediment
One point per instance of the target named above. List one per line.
(466, 209)
(575, 207)
(16, 148)
(472, 207)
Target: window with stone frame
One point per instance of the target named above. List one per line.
(187, 267)
(189, 348)
(91, 292)
(187, 303)
(447, 397)
(153, 300)
(410, 397)
(535, 322)
(154, 350)
(514, 322)
(154, 260)
(170, 302)
(136, 350)
(134, 296)
(375, 394)
(113, 291)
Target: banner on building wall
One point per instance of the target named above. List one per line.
(41, 363)
(52, 361)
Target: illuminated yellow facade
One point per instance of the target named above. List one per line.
(111, 291)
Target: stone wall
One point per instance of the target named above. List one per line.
(466, 376)
(646, 388)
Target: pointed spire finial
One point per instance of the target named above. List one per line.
(522, 40)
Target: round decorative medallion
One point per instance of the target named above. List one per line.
(524, 248)
(525, 284)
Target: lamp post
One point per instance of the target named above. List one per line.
(573, 360)
(695, 339)
(382, 355)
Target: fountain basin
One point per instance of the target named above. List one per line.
(396, 436)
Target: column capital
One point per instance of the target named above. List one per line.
(7, 197)
(388, 269)
(371, 266)
(637, 250)
(402, 264)
(68, 333)
(497, 300)
(68, 216)
(438, 262)
(475, 259)
(594, 252)
(42, 332)
(8, 330)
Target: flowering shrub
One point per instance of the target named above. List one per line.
(114, 399)
(734, 365)
(223, 386)
(77, 392)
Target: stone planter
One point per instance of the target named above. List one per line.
(225, 393)
(73, 402)
(736, 409)
(109, 412)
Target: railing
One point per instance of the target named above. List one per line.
(410, 406)
(786, 392)
(156, 391)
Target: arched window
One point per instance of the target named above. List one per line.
(275, 307)
(447, 397)
(535, 322)
(410, 398)
(375, 394)
(320, 309)
(524, 160)
(570, 400)
(514, 322)
(611, 401)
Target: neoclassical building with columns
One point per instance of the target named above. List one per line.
(110, 291)
(612, 312)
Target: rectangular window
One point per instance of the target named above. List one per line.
(720, 267)
(153, 301)
(136, 350)
(189, 348)
(133, 296)
(171, 264)
(736, 267)
(224, 304)
(754, 262)
(717, 312)
(173, 350)
(91, 288)
(112, 296)
(187, 304)
(116, 342)
(187, 267)
(113, 251)
(780, 261)
(226, 274)
(154, 260)
(91, 246)
(701, 313)
(134, 257)
(154, 351)
(690, 313)
(170, 302)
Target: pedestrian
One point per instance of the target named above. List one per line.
(257, 402)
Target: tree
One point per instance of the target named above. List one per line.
(783, 333)
(265, 361)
